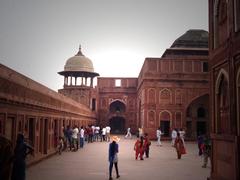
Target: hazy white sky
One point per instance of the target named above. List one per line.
(38, 36)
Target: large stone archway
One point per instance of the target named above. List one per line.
(117, 125)
(197, 116)
(117, 120)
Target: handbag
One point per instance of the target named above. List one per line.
(115, 158)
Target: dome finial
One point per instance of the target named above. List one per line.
(79, 51)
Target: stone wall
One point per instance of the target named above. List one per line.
(36, 111)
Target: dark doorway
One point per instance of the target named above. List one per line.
(9, 128)
(45, 136)
(117, 125)
(165, 127)
(201, 127)
(31, 131)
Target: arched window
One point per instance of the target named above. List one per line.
(165, 96)
(165, 122)
(151, 118)
(222, 104)
(151, 96)
(178, 97)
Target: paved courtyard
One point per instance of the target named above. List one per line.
(91, 163)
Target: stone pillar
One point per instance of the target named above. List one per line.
(75, 81)
(81, 80)
(85, 81)
(91, 83)
(71, 81)
(65, 80)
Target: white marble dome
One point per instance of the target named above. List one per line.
(79, 63)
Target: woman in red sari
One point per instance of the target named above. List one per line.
(179, 145)
(139, 148)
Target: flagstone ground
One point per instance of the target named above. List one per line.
(90, 163)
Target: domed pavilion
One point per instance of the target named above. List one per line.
(78, 78)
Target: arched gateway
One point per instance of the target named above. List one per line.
(197, 116)
(117, 117)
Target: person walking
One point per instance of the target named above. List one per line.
(200, 144)
(113, 156)
(179, 146)
(139, 148)
(182, 134)
(159, 133)
(206, 149)
(21, 151)
(129, 134)
(146, 145)
(174, 135)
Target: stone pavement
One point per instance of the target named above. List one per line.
(91, 163)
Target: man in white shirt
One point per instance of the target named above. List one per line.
(108, 129)
(174, 136)
(93, 133)
(103, 134)
(97, 129)
(182, 135)
(128, 133)
(159, 133)
(75, 138)
(81, 137)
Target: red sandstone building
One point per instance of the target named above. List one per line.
(170, 92)
(224, 48)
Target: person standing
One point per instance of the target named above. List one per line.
(129, 134)
(6, 157)
(182, 135)
(200, 143)
(159, 133)
(174, 136)
(108, 130)
(206, 149)
(113, 156)
(103, 134)
(179, 146)
(146, 145)
(140, 130)
(97, 131)
(75, 138)
(69, 132)
(60, 145)
(81, 137)
(21, 151)
(139, 148)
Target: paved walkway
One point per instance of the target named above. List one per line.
(91, 163)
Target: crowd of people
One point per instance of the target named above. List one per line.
(75, 137)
